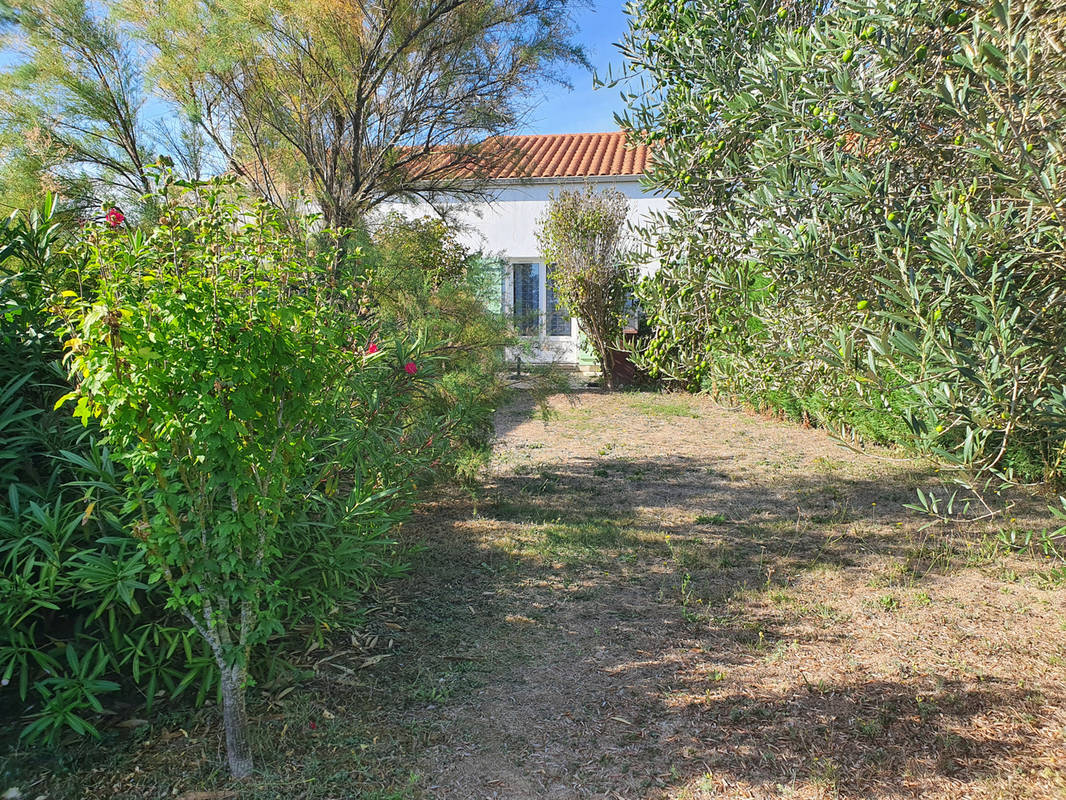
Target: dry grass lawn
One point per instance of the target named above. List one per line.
(652, 597)
(707, 603)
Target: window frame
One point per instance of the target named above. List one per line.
(540, 330)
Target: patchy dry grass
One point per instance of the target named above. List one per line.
(655, 597)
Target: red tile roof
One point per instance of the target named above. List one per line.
(566, 155)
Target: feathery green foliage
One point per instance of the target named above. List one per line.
(72, 104)
(418, 276)
(357, 103)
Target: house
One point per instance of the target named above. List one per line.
(504, 226)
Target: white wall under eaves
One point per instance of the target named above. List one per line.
(506, 226)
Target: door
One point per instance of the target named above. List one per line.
(548, 333)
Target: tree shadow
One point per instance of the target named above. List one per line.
(705, 485)
(780, 525)
(599, 678)
(871, 738)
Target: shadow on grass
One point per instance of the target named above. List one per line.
(872, 739)
(579, 622)
(585, 534)
(650, 714)
(714, 521)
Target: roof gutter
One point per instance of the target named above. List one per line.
(488, 183)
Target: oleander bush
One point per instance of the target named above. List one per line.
(249, 425)
(78, 619)
(870, 219)
(417, 275)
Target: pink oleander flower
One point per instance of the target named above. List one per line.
(411, 367)
(114, 217)
(371, 349)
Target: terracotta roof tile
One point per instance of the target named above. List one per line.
(565, 155)
(571, 155)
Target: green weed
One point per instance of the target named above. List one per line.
(711, 519)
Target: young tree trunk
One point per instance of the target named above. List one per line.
(607, 365)
(235, 722)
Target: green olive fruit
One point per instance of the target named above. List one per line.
(891, 216)
(848, 55)
(953, 19)
(832, 117)
(892, 87)
(816, 111)
(921, 52)
(862, 304)
(893, 146)
(782, 13)
(868, 32)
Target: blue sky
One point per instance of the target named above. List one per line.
(560, 110)
(584, 109)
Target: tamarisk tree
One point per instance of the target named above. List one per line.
(359, 102)
(72, 103)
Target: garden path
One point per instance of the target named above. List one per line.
(654, 596)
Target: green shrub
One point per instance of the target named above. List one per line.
(419, 252)
(83, 611)
(869, 222)
(77, 616)
(260, 419)
(417, 276)
(582, 236)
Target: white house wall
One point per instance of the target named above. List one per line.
(507, 226)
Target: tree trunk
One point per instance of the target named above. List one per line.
(235, 722)
(607, 363)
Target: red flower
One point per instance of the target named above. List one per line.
(312, 724)
(114, 217)
(411, 367)
(371, 349)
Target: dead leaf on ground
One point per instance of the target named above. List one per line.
(369, 662)
(131, 723)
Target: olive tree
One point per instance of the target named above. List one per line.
(582, 236)
(868, 224)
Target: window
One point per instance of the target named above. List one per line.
(526, 305)
(558, 319)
